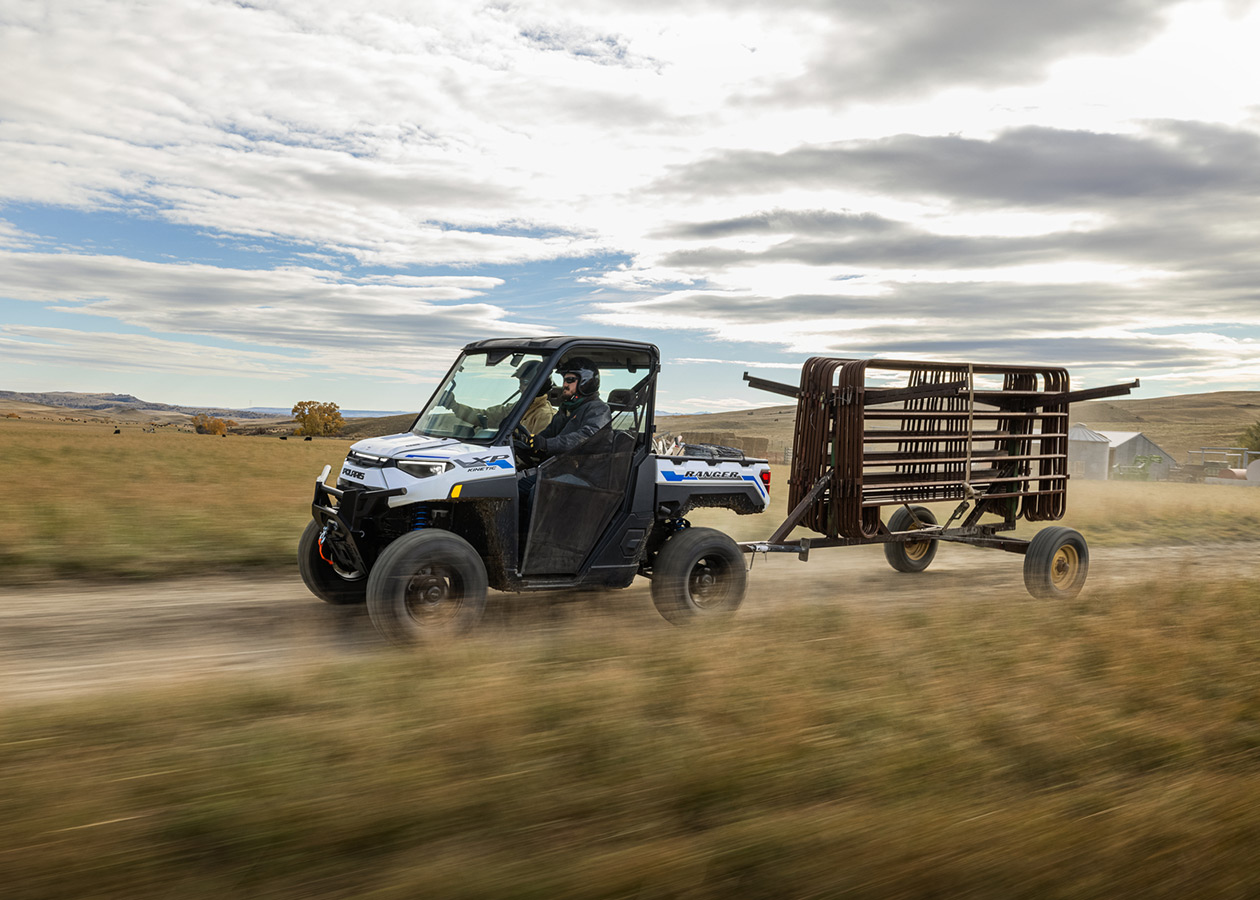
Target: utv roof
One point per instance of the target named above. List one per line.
(555, 342)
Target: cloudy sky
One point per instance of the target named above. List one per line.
(257, 202)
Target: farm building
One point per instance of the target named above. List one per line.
(1089, 454)
(1100, 455)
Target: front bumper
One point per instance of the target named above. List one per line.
(340, 513)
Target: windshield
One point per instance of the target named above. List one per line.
(482, 391)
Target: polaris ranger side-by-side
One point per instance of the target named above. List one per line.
(419, 524)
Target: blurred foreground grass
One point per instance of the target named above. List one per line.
(967, 748)
(90, 503)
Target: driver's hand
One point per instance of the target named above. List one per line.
(523, 442)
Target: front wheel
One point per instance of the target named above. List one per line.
(426, 584)
(1056, 564)
(322, 574)
(699, 574)
(914, 556)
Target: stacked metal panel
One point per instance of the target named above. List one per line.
(895, 431)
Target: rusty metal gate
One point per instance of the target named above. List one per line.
(874, 433)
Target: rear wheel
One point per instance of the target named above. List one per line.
(426, 584)
(329, 581)
(699, 574)
(1056, 564)
(914, 556)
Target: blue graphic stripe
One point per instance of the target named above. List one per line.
(675, 477)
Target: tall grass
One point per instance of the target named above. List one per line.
(1134, 512)
(965, 748)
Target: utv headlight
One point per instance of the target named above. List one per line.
(417, 468)
(366, 460)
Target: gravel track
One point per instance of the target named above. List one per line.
(75, 638)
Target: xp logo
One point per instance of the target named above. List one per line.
(352, 473)
(499, 462)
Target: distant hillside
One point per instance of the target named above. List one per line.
(377, 425)
(1177, 424)
(1191, 409)
(121, 403)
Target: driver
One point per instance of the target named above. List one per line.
(581, 412)
(537, 416)
(581, 415)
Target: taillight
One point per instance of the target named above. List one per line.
(765, 479)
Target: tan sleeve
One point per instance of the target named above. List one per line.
(538, 417)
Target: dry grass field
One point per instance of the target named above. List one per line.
(91, 503)
(947, 743)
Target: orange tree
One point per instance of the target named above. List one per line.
(318, 418)
(205, 424)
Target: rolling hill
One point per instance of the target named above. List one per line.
(1177, 424)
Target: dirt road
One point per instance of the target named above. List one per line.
(75, 638)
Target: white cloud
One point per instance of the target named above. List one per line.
(381, 318)
(117, 352)
(804, 176)
(14, 238)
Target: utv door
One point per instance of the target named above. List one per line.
(575, 498)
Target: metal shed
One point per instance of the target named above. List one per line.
(1089, 454)
(1099, 455)
(1127, 446)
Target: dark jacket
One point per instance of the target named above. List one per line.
(573, 425)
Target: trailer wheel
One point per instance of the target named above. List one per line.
(699, 574)
(326, 581)
(425, 585)
(1056, 564)
(914, 556)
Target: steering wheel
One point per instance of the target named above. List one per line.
(523, 445)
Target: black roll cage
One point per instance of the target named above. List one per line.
(552, 349)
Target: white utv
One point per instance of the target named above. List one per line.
(421, 523)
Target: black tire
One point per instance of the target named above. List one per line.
(426, 585)
(1056, 564)
(324, 580)
(699, 574)
(917, 555)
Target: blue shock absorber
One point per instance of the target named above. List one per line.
(421, 518)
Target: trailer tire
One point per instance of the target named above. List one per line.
(321, 578)
(917, 555)
(698, 575)
(426, 585)
(1056, 564)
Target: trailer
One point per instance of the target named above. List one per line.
(876, 434)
